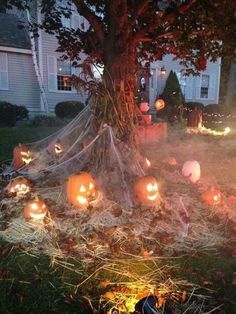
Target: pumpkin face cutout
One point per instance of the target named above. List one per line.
(211, 197)
(159, 104)
(58, 148)
(21, 156)
(146, 190)
(20, 186)
(144, 107)
(80, 189)
(35, 209)
(192, 170)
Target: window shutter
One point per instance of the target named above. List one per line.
(198, 87)
(212, 87)
(3, 71)
(189, 87)
(52, 74)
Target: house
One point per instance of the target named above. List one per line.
(19, 83)
(203, 88)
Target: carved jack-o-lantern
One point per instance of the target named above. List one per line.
(159, 104)
(192, 170)
(146, 190)
(144, 107)
(58, 148)
(19, 185)
(80, 189)
(35, 209)
(21, 156)
(211, 196)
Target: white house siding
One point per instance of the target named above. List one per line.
(193, 82)
(49, 45)
(22, 82)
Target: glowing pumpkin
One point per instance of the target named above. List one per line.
(21, 156)
(19, 185)
(58, 148)
(159, 104)
(80, 189)
(144, 107)
(146, 189)
(211, 196)
(35, 209)
(192, 170)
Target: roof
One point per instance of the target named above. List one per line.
(10, 33)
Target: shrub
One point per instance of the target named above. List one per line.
(7, 113)
(173, 97)
(189, 106)
(43, 120)
(22, 113)
(68, 109)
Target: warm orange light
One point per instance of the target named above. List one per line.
(146, 189)
(58, 148)
(35, 210)
(19, 186)
(81, 189)
(211, 196)
(159, 104)
(148, 163)
(21, 156)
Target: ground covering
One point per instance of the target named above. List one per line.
(206, 258)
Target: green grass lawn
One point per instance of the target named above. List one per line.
(11, 136)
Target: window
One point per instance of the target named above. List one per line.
(59, 74)
(3, 71)
(64, 75)
(205, 84)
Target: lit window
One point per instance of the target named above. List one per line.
(205, 80)
(63, 75)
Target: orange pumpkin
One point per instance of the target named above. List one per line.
(211, 196)
(80, 189)
(35, 209)
(159, 104)
(58, 148)
(19, 185)
(21, 156)
(146, 190)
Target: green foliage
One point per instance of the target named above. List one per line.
(22, 113)
(9, 113)
(10, 137)
(172, 93)
(68, 109)
(173, 98)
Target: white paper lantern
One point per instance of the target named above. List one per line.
(191, 169)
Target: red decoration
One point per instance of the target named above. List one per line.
(147, 118)
(144, 107)
(202, 63)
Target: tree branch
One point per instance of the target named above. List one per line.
(97, 25)
(166, 18)
(141, 8)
